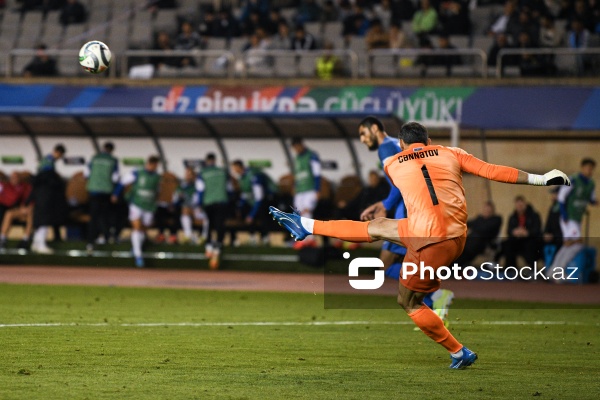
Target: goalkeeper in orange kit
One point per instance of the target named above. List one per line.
(430, 179)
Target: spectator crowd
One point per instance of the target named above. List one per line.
(378, 24)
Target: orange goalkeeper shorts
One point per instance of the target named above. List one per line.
(434, 255)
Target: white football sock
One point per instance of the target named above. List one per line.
(458, 354)
(436, 295)
(186, 224)
(137, 237)
(39, 238)
(308, 224)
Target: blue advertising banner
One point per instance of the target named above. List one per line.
(523, 107)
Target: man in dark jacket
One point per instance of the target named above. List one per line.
(524, 234)
(483, 230)
(49, 201)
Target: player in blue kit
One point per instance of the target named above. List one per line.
(372, 134)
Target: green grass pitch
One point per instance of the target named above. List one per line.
(120, 343)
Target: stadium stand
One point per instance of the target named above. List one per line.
(130, 25)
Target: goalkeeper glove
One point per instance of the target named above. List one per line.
(554, 177)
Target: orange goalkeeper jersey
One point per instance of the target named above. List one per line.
(430, 180)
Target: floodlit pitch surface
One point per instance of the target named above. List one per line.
(63, 342)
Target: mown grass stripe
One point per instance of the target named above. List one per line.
(279, 323)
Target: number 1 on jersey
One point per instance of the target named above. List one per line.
(429, 184)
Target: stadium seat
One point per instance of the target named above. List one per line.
(119, 34)
(76, 191)
(168, 185)
(286, 185)
(286, 66)
(166, 19)
(315, 29)
(332, 30)
(53, 32)
(350, 186)
(306, 65)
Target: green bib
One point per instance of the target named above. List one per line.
(215, 185)
(145, 190)
(102, 167)
(579, 197)
(304, 180)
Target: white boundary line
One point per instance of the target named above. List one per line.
(280, 323)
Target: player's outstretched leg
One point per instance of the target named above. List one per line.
(432, 325)
(350, 231)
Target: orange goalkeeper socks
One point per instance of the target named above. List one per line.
(350, 231)
(433, 326)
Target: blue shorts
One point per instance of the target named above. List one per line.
(394, 248)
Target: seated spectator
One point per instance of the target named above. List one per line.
(425, 20)
(377, 37)
(376, 190)
(524, 233)
(252, 23)
(500, 42)
(578, 38)
(225, 26)
(255, 59)
(303, 40)
(73, 13)
(482, 233)
(552, 231)
(383, 11)
(355, 24)
(582, 12)
(399, 39)
(532, 64)
(24, 214)
(549, 35)
(41, 64)
(208, 26)
(271, 24)
(328, 65)
(258, 7)
(188, 39)
(308, 11)
(454, 17)
(14, 195)
(526, 24)
(446, 60)
(282, 40)
(163, 42)
(507, 22)
(330, 12)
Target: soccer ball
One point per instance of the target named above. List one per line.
(95, 57)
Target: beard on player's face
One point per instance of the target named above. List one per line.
(374, 145)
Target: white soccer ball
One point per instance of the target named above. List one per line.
(95, 57)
